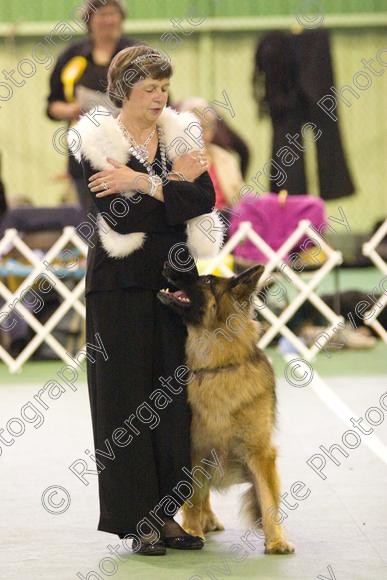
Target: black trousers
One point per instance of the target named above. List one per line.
(298, 72)
(333, 173)
(144, 341)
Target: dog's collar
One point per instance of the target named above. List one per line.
(199, 373)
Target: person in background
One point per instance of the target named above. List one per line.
(85, 64)
(229, 139)
(223, 168)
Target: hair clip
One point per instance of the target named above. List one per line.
(147, 56)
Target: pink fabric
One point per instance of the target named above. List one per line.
(275, 223)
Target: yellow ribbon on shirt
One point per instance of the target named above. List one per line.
(71, 73)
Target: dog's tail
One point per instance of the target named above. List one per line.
(250, 506)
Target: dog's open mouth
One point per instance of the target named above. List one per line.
(179, 296)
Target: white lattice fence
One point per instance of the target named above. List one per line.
(278, 324)
(306, 290)
(12, 239)
(369, 250)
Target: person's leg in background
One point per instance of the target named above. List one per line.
(334, 176)
(288, 170)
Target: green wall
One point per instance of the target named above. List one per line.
(207, 62)
(41, 10)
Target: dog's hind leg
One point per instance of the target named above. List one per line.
(251, 508)
(209, 520)
(266, 483)
(192, 515)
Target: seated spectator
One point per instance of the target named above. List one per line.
(223, 167)
(228, 139)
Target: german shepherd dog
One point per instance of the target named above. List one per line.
(232, 397)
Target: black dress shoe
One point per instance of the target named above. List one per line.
(148, 549)
(186, 542)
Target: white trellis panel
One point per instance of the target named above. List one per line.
(12, 239)
(369, 250)
(306, 290)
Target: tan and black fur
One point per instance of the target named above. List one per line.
(232, 396)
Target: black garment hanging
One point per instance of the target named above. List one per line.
(297, 72)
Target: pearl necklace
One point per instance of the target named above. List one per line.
(137, 151)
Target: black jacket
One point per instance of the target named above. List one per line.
(163, 222)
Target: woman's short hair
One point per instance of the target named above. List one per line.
(90, 7)
(132, 65)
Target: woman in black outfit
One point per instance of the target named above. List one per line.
(89, 60)
(144, 340)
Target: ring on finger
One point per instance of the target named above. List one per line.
(105, 186)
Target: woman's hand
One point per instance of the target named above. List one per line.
(120, 179)
(74, 111)
(65, 111)
(190, 166)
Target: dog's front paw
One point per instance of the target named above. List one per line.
(194, 530)
(279, 547)
(211, 523)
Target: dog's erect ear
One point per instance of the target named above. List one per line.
(246, 282)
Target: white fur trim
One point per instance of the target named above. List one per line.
(99, 137)
(177, 126)
(118, 245)
(204, 242)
